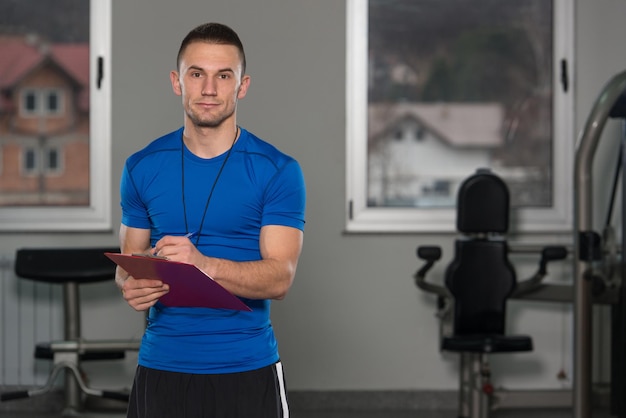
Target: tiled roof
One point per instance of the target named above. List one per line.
(16, 59)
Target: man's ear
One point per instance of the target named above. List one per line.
(243, 87)
(175, 80)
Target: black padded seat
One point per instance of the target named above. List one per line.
(46, 352)
(60, 265)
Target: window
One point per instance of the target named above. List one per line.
(53, 105)
(439, 88)
(53, 161)
(55, 115)
(41, 102)
(30, 102)
(37, 161)
(31, 166)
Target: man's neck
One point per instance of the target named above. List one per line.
(210, 142)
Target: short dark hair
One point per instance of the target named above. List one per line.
(213, 33)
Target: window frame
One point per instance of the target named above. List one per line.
(360, 218)
(96, 216)
(42, 97)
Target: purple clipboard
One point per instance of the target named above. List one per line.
(189, 286)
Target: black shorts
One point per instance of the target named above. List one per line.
(255, 394)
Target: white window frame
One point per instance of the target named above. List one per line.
(96, 216)
(360, 218)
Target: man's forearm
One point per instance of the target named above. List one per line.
(262, 279)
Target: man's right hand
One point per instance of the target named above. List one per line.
(141, 294)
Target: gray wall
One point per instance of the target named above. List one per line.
(354, 319)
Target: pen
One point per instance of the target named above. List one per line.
(190, 234)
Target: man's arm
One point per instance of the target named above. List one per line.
(268, 278)
(140, 293)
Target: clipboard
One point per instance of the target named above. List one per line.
(189, 286)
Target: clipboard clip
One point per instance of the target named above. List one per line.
(148, 255)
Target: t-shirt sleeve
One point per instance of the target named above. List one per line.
(134, 212)
(286, 198)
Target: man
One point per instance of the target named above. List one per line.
(214, 195)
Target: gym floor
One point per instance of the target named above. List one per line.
(302, 405)
(352, 414)
(319, 412)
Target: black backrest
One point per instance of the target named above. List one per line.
(480, 277)
(483, 204)
(58, 265)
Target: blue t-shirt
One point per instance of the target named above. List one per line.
(258, 186)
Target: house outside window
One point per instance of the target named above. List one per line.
(481, 84)
(55, 115)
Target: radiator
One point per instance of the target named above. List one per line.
(30, 312)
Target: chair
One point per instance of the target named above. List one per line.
(71, 267)
(479, 280)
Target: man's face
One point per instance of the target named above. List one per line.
(210, 82)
